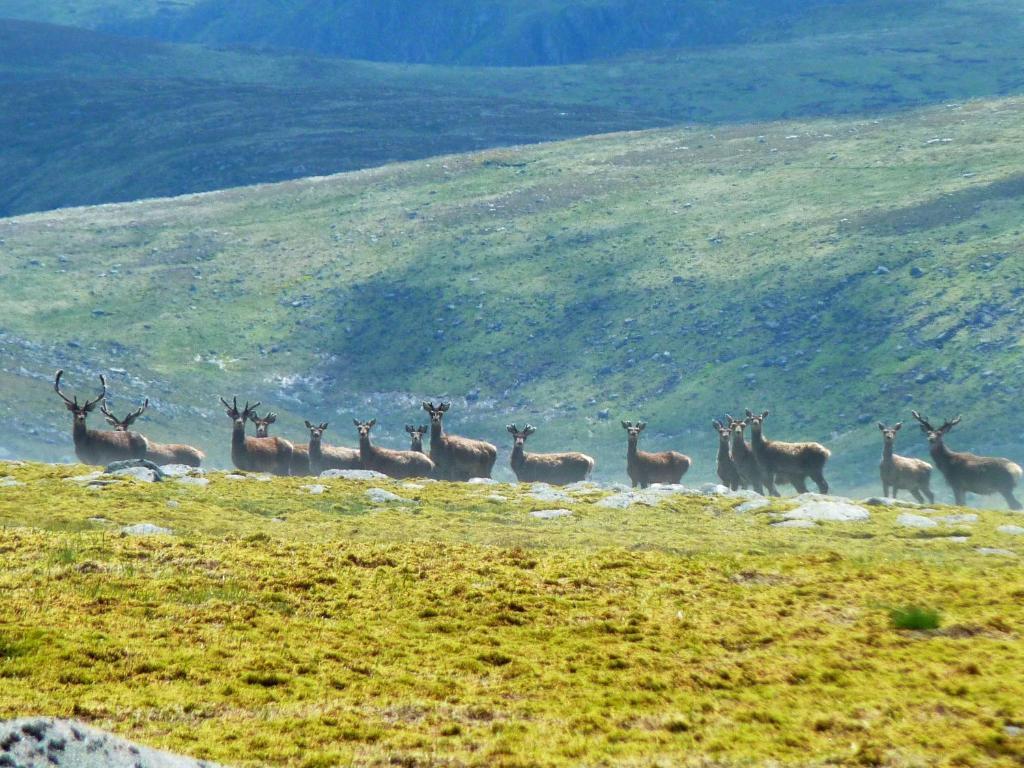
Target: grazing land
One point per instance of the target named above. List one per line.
(275, 626)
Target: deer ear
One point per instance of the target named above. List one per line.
(750, 413)
(627, 424)
(898, 426)
(308, 425)
(641, 425)
(427, 406)
(881, 427)
(323, 427)
(717, 424)
(373, 422)
(445, 406)
(764, 415)
(356, 422)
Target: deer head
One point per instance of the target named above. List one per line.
(889, 433)
(935, 435)
(121, 425)
(756, 421)
(364, 427)
(262, 425)
(316, 432)
(634, 430)
(80, 412)
(723, 431)
(436, 412)
(239, 417)
(416, 433)
(519, 437)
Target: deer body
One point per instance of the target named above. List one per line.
(796, 461)
(397, 464)
(645, 468)
(553, 468)
(256, 454)
(457, 458)
(158, 453)
(903, 472)
(967, 473)
(743, 457)
(725, 468)
(98, 447)
(323, 457)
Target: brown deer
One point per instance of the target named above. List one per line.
(397, 464)
(98, 447)
(457, 458)
(794, 461)
(966, 473)
(743, 457)
(256, 454)
(416, 437)
(553, 468)
(300, 453)
(158, 453)
(724, 465)
(645, 468)
(902, 472)
(323, 457)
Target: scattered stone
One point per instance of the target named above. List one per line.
(173, 503)
(714, 489)
(277, 519)
(200, 482)
(828, 512)
(550, 514)
(380, 496)
(582, 486)
(119, 467)
(142, 474)
(1013, 730)
(84, 478)
(234, 476)
(995, 551)
(482, 481)
(316, 490)
(753, 505)
(1013, 530)
(145, 529)
(881, 269)
(262, 477)
(957, 519)
(10, 482)
(99, 520)
(795, 524)
(544, 492)
(915, 521)
(352, 474)
(413, 486)
(52, 743)
(916, 272)
(181, 470)
(495, 498)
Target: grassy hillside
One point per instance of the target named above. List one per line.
(90, 118)
(273, 627)
(835, 272)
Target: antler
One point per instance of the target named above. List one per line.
(102, 396)
(136, 413)
(924, 422)
(512, 428)
(530, 429)
(56, 388)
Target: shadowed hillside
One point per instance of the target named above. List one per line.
(836, 272)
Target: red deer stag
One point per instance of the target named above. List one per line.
(98, 447)
(645, 468)
(158, 453)
(743, 457)
(397, 464)
(256, 454)
(323, 457)
(902, 472)
(553, 468)
(300, 453)
(416, 437)
(457, 458)
(789, 462)
(724, 465)
(966, 473)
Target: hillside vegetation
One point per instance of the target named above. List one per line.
(91, 118)
(835, 272)
(275, 627)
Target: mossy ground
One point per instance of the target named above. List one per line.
(276, 627)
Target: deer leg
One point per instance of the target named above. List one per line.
(960, 497)
(822, 483)
(758, 487)
(1011, 500)
(929, 494)
(770, 485)
(917, 495)
(895, 492)
(800, 484)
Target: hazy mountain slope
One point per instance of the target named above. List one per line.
(836, 272)
(88, 118)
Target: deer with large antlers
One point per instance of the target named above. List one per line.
(645, 468)
(300, 466)
(457, 458)
(553, 468)
(323, 457)
(967, 473)
(903, 472)
(397, 464)
(794, 461)
(158, 453)
(98, 447)
(256, 454)
(725, 467)
(743, 457)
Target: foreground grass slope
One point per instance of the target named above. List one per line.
(90, 118)
(836, 272)
(280, 628)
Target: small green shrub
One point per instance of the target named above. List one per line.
(913, 617)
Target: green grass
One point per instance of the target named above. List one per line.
(552, 279)
(91, 118)
(914, 617)
(460, 631)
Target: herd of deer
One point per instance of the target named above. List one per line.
(760, 464)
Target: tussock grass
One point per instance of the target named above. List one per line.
(914, 617)
(459, 633)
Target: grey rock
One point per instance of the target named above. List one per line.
(10, 482)
(753, 505)
(352, 474)
(413, 486)
(42, 742)
(550, 514)
(84, 478)
(795, 524)
(995, 551)
(380, 496)
(234, 476)
(200, 482)
(181, 470)
(119, 467)
(316, 490)
(1013, 730)
(142, 474)
(582, 486)
(957, 519)
(828, 512)
(544, 492)
(145, 529)
(714, 489)
(1013, 530)
(482, 481)
(173, 503)
(495, 498)
(915, 521)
